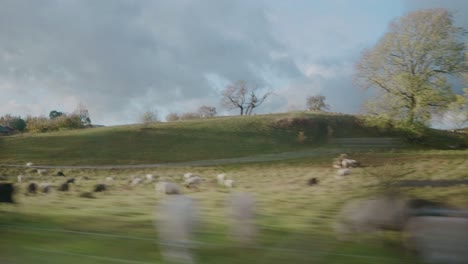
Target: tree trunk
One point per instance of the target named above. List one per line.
(241, 110)
(412, 108)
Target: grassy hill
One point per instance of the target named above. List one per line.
(216, 138)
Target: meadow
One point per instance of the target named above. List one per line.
(295, 220)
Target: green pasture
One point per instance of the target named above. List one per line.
(295, 220)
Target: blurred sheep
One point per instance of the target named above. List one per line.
(149, 177)
(59, 173)
(242, 216)
(45, 187)
(64, 187)
(388, 212)
(229, 183)
(29, 164)
(312, 181)
(343, 172)
(220, 178)
(71, 180)
(20, 178)
(100, 187)
(135, 181)
(32, 188)
(41, 172)
(109, 179)
(187, 175)
(176, 225)
(193, 181)
(167, 188)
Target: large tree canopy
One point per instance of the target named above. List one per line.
(409, 66)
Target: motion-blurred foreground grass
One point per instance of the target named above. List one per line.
(295, 220)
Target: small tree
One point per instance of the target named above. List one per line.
(240, 96)
(15, 122)
(172, 117)
(149, 117)
(54, 114)
(317, 103)
(18, 123)
(83, 113)
(206, 111)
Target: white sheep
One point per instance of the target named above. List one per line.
(343, 172)
(29, 164)
(349, 163)
(176, 222)
(135, 181)
(229, 183)
(110, 178)
(188, 175)
(242, 217)
(20, 178)
(45, 187)
(167, 188)
(193, 181)
(41, 171)
(149, 177)
(220, 178)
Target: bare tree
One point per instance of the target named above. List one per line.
(206, 111)
(240, 96)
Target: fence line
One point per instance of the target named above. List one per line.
(194, 244)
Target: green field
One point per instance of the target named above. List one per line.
(295, 220)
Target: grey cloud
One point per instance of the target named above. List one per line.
(113, 53)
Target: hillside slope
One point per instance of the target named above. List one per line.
(216, 138)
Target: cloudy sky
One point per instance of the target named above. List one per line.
(121, 58)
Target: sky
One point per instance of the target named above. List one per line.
(121, 58)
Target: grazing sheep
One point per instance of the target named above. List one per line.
(71, 180)
(343, 172)
(41, 172)
(336, 163)
(100, 187)
(60, 174)
(135, 181)
(349, 163)
(149, 177)
(29, 164)
(64, 187)
(188, 175)
(167, 188)
(20, 178)
(109, 179)
(45, 187)
(312, 181)
(6, 192)
(193, 181)
(242, 216)
(228, 183)
(32, 188)
(176, 225)
(220, 178)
